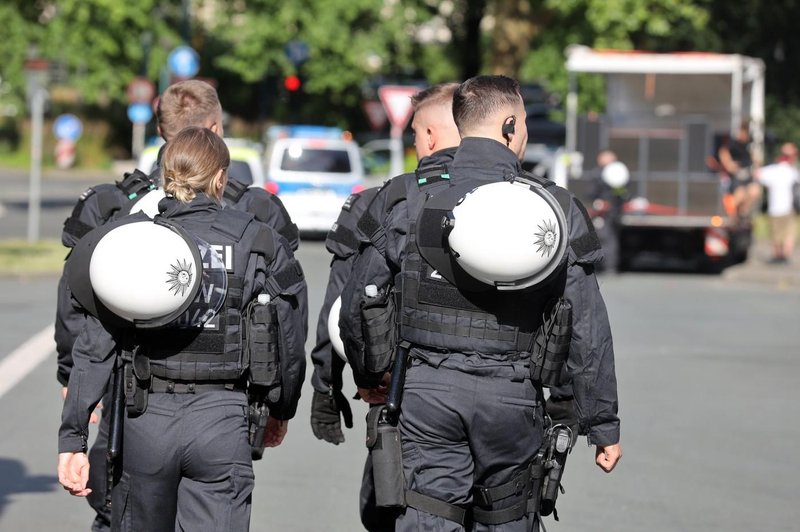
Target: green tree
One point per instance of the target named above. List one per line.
(105, 43)
(654, 25)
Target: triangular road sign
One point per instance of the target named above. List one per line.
(396, 99)
(375, 113)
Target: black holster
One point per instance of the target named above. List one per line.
(136, 379)
(558, 441)
(258, 412)
(383, 442)
(551, 344)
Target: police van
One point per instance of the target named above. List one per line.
(313, 169)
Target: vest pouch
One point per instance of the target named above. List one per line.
(263, 347)
(378, 328)
(551, 343)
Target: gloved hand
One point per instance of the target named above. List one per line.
(325, 410)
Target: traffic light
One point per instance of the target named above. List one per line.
(292, 83)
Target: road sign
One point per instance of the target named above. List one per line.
(67, 127)
(297, 52)
(396, 99)
(141, 90)
(140, 113)
(183, 62)
(375, 114)
(64, 153)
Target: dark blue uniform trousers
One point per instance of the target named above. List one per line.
(464, 425)
(186, 465)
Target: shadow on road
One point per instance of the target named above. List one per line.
(45, 203)
(16, 480)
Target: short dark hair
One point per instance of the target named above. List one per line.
(441, 94)
(480, 97)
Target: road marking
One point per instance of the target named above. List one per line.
(25, 358)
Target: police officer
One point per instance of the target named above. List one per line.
(186, 456)
(609, 194)
(183, 104)
(435, 141)
(485, 331)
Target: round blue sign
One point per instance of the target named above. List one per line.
(297, 52)
(140, 113)
(67, 127)
(183, 62)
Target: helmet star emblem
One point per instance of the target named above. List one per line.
(546, 237)
(180, 277)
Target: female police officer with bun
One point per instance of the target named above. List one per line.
(198, 309)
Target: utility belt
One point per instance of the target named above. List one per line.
(533, 490)
(159, 385)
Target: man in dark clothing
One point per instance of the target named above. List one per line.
(436, 137)
(737, 163)
(183, 104)
(471, 422)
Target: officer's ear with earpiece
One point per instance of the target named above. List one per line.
(509, 128)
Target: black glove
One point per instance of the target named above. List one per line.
(325, 410)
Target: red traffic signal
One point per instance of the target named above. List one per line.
(292, 83)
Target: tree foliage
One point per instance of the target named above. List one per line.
(355, 45)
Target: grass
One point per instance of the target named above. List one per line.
(21, 258)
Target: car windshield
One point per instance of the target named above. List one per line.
(240, 171)
(299, 159)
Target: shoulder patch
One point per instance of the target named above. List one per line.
(86, 193)
(349, 202)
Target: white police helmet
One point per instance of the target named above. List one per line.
(333, 328)
(509, 234)
(615, 174)
(147, 273)
(148, 203)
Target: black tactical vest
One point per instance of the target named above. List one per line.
(215, 351)
(463, 316)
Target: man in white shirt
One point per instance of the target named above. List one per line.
(779, 179)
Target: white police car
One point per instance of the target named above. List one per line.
(313, 169)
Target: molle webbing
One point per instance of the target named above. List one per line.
(436, 314)
(202, 353)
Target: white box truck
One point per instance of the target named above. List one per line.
(664, 115)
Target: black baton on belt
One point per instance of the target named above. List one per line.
(117, 411)
(395, 396)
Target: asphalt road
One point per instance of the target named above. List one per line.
(707, 369)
